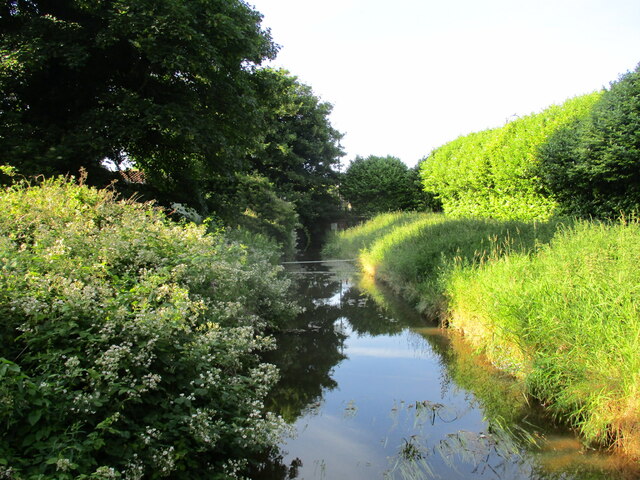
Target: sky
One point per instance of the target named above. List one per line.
(406, 76)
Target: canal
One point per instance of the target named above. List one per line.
(373, 391)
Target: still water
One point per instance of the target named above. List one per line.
(373, 391)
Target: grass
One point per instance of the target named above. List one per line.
(555, 304)
(567, 321)
(412, 252)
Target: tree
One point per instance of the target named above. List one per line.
(264, 212)
(300, 150)
(592, 167)
(165, 84)
(378, 184)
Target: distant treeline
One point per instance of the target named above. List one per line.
(580, 158)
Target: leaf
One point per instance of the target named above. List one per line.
(34, 416)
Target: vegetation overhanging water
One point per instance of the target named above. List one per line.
(373, 390)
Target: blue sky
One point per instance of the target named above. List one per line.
(406, 76)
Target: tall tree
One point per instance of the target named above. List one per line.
(164, 83)
(301, 150)
(379, 184)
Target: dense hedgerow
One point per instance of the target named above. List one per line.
(495, 172)
(129, 343)
(592, 166)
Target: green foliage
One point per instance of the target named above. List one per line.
(374, 185)
(129, 342)
(413, 252)
(300, 149)
(421, 200)
(265, 213)
(572, 312)
(165, 83)
(348, 243)
(554, 304)
(172, 87)
(494, 172)
(592, 166)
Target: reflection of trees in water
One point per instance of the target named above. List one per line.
(272, 467)
(306, 359)
(308, 349)
(367, 318)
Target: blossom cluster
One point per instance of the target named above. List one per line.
(129, 343)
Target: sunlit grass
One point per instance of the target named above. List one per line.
(348, 243)
(412, 252)
(569, 318)
(561, 316)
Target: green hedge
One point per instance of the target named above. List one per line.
(129, 343)
(494, 172)
(592, 166)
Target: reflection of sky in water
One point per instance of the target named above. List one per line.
(405, 345)
(360, 426)
(395, 413)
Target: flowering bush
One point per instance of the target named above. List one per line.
(129, 343)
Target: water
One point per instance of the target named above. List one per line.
(373, 391)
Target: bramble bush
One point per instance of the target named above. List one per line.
(129, 343)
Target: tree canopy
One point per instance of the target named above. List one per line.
(592, 167)
(300, 150)
(172, 87)
(165, 83)
(378, 184)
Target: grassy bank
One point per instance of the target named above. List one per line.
(552, 303)
(412, 252)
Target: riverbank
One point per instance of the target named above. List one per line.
(551, 303)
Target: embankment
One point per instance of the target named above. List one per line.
(553, 303)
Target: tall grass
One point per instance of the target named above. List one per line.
(348, 243)
(567, 321)
(413, 252)
(555, 304)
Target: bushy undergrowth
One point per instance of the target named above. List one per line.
(494, 173)
(553, 303)
(129, 343)
(567, 321)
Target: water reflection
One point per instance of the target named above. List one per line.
(309, 348)
(373, 391)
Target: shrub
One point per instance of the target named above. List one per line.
(494, 173)
(592, 166)
(129, 342)
(374, 185)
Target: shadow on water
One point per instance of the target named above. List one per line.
(375, 391)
